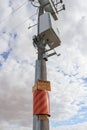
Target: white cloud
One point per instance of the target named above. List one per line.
(7, 126)
(16, 84)
(3, 45)
(82, 126)
(5, 10)
(65, 72)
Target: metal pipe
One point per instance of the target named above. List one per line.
(54, 53)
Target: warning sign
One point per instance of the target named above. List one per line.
(34, 88)
(41, 103)
(43, 85)
(43, 117)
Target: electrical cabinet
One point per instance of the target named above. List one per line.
(49, 7)
(48, 30)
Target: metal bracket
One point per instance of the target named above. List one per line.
(39, 43)
(45, 56)
(61, 1)
(32, 26)
(63, 8)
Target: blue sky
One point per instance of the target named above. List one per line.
(67, 73)
(77, 119)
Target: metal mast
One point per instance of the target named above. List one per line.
(47, 35)
(40, 74)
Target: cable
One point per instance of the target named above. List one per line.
(18, 25)
(13, 12)
(20, 6)
(34, 5)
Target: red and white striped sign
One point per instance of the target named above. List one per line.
(41, 104)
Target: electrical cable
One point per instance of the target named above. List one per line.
(18, 25)
(22, 5)
(34, 5)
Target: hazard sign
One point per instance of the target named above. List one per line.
(43, 85)
(43, 117)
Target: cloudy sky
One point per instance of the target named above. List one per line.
(67, 73)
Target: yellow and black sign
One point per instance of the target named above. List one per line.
(34, 88)
(43, 117)
(43, 85)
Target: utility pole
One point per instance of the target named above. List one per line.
(47, 35)
(40, 74)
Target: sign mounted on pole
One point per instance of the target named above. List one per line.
(43, 117)
(41, 103)
(42, 85)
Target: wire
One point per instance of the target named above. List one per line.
(34, 5)
(22, 5)
(18, 25)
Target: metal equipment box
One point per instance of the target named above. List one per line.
(48, 30)
(49, 7)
